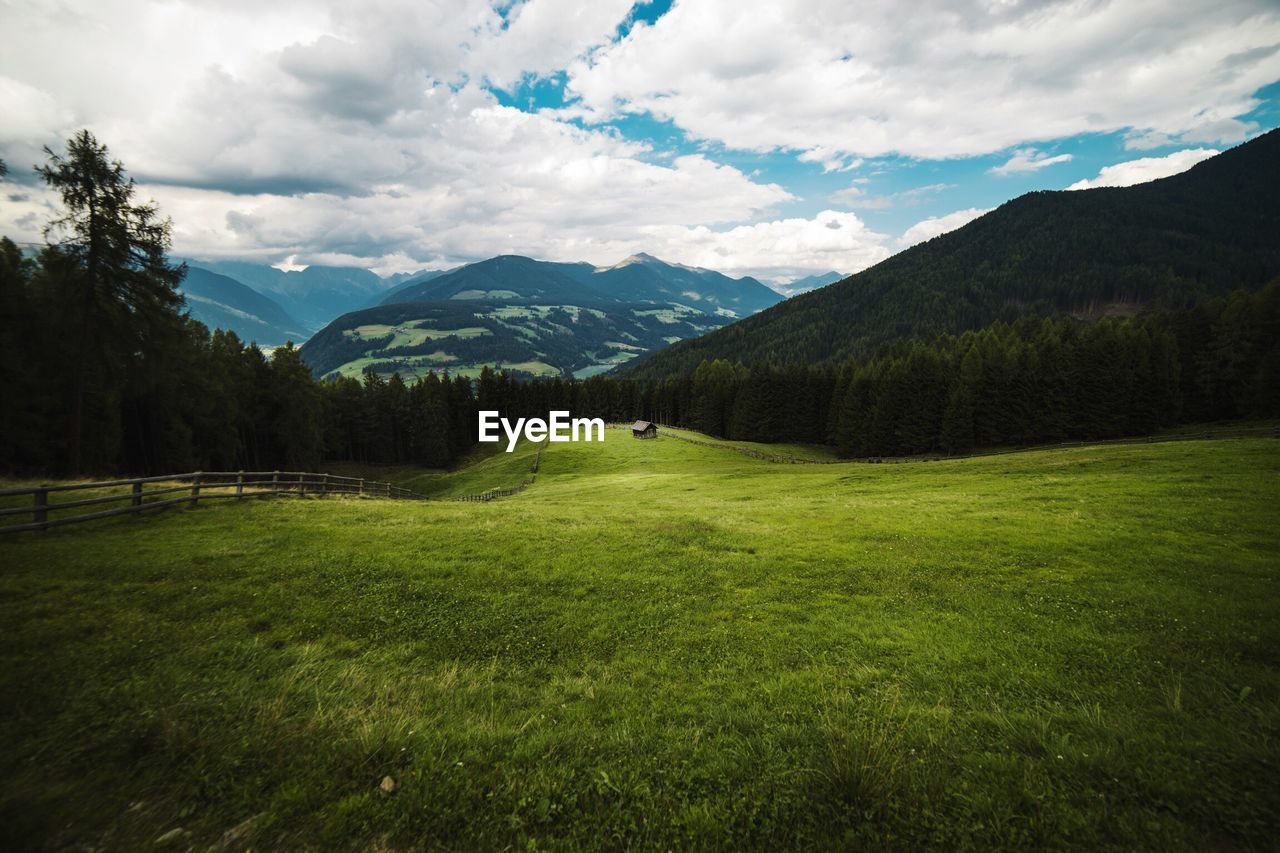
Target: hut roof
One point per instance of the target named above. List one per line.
(641, 426)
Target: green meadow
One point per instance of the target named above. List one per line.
(661, 645)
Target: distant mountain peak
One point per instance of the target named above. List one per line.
(638, 258)
(646, 258)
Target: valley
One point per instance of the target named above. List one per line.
(533, 318)
(530, 318)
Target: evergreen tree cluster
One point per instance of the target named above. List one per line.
(1035, 381)
(104, 373)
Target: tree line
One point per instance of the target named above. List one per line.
(1038, 380)
(104, 372)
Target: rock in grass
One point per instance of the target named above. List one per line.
(388, 786)
(171, 836)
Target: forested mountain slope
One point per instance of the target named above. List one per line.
(638, 279)
(1207, 231)
(524, 337)
(224, 303)
(504, 277)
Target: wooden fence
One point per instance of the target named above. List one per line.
(485, 497)
(1240, 432)
(175, 489)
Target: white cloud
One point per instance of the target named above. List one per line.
(543, 36)
(322, 130)
(1145, 169)
(1214, 125)
(26, 111)
(1028, 160)
(934, 226)
(782, 248)
(573, 202)
(830, 161)
(951, 78)
(355, 136)
(858, 198)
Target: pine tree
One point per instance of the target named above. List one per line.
(118, 294)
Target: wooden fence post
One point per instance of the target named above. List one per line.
(362, 486)
(275, 481)
(41, 499)
(324, 484)
(137, 495)
(195, 489)
(302, 484)
(240, 484)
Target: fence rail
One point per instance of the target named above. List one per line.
(486, 496)
(192, 487)
(1240, 432)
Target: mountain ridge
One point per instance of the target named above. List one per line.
(523, 336)
(221, 302)
(314, 296)
(641, 278)
(1176, 240)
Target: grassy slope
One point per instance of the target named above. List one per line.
(814, 452)
(487, 466)
(665, 644)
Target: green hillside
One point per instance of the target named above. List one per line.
(666, 646)
(524, 338)
(1205, 232)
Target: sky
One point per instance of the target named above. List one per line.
(766, 139)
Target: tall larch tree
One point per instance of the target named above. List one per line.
(118, 293)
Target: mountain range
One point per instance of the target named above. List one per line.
(1088, 253)
(640, 278)
(221, 302)
(270, 306)
(314, 295)
(531, 317)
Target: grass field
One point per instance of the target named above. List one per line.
(410, 334)
(665, 646)
(810, 452)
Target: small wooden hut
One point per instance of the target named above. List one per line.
(644, 429)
